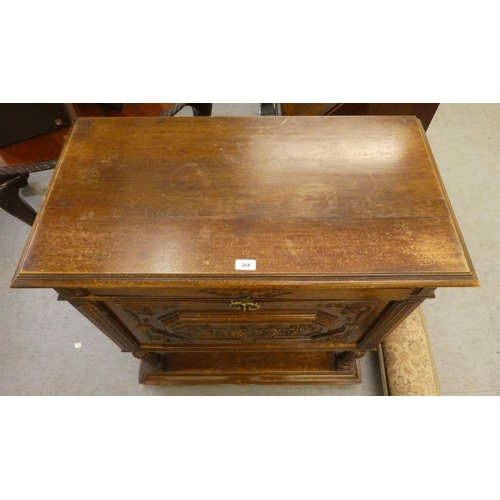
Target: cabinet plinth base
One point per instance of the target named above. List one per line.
(236, 367)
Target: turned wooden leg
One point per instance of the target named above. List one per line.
(346, 359)
(154, 360)
(12, 203)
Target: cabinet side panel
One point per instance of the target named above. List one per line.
(100, 316)
(393, 315)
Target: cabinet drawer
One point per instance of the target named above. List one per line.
(258, 294)
(164, 323)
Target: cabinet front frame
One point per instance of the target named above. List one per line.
(100, 308)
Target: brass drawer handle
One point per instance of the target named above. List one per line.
(244, 306)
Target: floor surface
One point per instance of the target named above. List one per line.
(37, 333)
(463, 324)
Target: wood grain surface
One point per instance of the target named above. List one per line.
(353, 201)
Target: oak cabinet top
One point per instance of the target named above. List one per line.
(338, 201)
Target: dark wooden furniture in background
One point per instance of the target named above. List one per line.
(19, 122)
(40, 153)
(424, 112)
(345, 218)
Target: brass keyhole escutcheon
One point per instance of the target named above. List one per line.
(244, 306)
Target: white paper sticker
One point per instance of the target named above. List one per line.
(245, 265)
(78, 345)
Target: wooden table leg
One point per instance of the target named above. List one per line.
(12, 203)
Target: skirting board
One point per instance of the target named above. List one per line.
(406, 361)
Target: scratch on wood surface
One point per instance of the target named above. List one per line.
(79, 218)
(274, 126)
(374, 181)
(80, 227)
(230, 158)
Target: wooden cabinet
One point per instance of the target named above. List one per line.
(264, 322)
(343, 221)
(423, 111)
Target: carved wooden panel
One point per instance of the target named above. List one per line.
(140, 311)
(247, 330)
(163, 323)
(351, 312)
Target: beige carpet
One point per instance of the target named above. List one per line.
(406, 360)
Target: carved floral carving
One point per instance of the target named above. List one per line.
(160, 336)
(135, 311)
(244, 294)
(354, 312)
(185, 333)
(338, 335)
(248, 331)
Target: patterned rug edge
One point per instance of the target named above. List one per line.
(406, 361)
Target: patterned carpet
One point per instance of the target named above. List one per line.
(406, 360)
